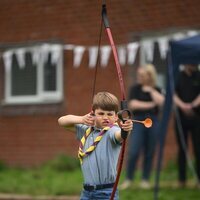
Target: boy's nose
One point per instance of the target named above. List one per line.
(105, 117)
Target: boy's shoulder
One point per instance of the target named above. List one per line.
(80, 130)
(81, 126)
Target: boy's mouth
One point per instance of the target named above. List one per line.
(106, 122)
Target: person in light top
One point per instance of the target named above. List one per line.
(100, 142)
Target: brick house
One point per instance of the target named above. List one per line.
(32, 98)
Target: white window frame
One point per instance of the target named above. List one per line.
(41, 97)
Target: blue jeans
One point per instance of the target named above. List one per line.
(103, 194)
(142, 140)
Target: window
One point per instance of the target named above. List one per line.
(34, 74)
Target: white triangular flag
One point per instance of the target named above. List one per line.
(78, 54)
(20, 55)
(192, 33)
(7, 58)
(122, 54)
(148, 48)
(68, 47)
(56, 51)
(132, 51)
(163, 46)
(93, 54)
(45, 50)
(35, 53)
(178, 36)
(105, 55)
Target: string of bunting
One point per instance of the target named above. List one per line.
(126, 52)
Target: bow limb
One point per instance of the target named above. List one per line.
(114, 50)
(122, 89)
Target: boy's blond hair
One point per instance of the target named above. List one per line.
(105, 101)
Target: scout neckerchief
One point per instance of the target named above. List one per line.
(89, 150)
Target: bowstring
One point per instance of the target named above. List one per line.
(94, 86)
(98, 61)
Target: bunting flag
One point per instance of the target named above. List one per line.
(126, 52)
(122, 54)
(38, 54)
(163, 46)
(7, 57)
(93, 54)
(78, 54)
(56, 51)
(192, 33)
(20, 54)
(148, 48)
(44, 51)
(178, 36)
(68, 47)
(132, 51)
(105, 55)
(35, 55)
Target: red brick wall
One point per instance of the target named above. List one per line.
(29, 139)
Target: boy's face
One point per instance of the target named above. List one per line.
(104, 118)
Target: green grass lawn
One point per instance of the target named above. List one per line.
(63, 177)
(164, 194)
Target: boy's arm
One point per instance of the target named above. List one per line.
(68, 121)
(126, 126)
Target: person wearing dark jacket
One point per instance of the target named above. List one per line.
(187, 101)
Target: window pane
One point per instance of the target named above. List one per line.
(160, 66)
(49, 75)
(23, 78)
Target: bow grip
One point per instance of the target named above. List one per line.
(124, 115)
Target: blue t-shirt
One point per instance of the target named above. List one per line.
(100, 166)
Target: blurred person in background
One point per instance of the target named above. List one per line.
(187, 100)
(145, 99)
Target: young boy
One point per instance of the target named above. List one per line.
(99, 148)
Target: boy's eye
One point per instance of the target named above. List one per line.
(108, 114)
(100, 113)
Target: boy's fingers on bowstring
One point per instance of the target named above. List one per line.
(86, 119)
(89, 119)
